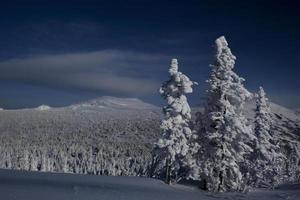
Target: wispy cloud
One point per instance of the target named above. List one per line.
(114, 71)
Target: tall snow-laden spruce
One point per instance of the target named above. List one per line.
(176, 145)
(266, 157)
(225, 137)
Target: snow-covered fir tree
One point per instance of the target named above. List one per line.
(225, 136)
(176, 145)
(267, 159)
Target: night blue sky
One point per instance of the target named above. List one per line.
(62, 52)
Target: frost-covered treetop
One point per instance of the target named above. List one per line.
(174, 91)
(223, 77)
(262, 100)
(178, 84)
(261, 93)
(263, 118)
(173, 67)
(224, 56)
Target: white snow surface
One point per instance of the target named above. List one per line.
(21, 185)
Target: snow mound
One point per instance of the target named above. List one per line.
(43, 107)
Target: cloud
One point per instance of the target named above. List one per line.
(113, 71)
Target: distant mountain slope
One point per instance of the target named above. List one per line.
(286, 121)
(108, 102)
(279, 112)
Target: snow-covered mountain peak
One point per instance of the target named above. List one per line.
(43, 107)
(108, 102)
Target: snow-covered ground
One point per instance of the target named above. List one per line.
(20, 185)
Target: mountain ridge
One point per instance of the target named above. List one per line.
(114, 102)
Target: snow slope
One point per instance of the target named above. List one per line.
(20, 185)
(286, 121)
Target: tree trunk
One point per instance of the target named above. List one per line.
(168, 172)
(221, 181)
